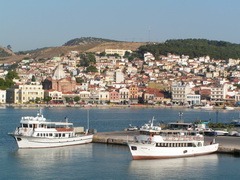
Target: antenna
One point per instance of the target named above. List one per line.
(149, 32)
(87, 131)
(66, 118)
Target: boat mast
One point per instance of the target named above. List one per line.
(88, 119)
(66, 122)
(152, 121)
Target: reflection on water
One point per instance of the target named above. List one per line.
(182, 168)
(52, 156)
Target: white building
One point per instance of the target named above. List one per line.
(25, 93)
(103, 97)
(148, 57)
(119, 76)
(194, 99)
(120, 52)
(179, 93)
(55, 95)
(124, 95)
(2, 96)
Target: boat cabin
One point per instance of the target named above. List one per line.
(182, 126)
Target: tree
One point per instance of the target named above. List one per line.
(67, 99)
(103, 53)
(79, 80)
(37, 100)
(127, 54)
(87, 59)
(33, 78)
(92, 69)
(13, 66)
(11, 75)
(76, 99)
(47, 99)
(9, 47)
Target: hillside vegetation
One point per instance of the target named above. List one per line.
(191, 47)
(194, 48)
(87, 40)
(4, 52)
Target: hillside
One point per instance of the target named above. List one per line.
(57, 51)
(195, 48)
(4, 52)
(87, 41)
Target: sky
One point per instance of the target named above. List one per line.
(32, 24)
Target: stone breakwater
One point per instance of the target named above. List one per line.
(227, 144)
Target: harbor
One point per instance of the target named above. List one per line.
(109, 155)
(227, 144)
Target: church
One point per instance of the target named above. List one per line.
(59, 81)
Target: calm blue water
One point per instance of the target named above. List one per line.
(100, 161)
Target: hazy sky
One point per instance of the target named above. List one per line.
(31, 24)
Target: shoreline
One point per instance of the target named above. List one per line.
(104, 106)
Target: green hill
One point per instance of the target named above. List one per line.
(195, 48)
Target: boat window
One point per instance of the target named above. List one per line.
(47, 134)
(134, 148)
(190, 144)
(50, 134)
(30, 125)
(25, 125)
(37, 134)
(41, 134)
(63, 135)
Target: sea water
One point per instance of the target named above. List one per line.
(101, 161)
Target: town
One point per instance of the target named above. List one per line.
(110, 77)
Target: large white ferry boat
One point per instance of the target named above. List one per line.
(37, 132)
(155, 143)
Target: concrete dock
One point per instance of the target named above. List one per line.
(227, 144)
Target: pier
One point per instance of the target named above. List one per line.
(227, 144)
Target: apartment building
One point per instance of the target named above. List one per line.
(55, 95)
(25, 93)
(179, 94)
(103, 96)
(120, 52)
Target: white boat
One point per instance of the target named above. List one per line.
(132, 128)
(228, 108)
(155, 143)
(221, 133)
(207, 106)
(37, 132)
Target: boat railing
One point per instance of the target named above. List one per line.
(64, 129)
(183, 138)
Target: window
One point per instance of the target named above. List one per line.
(134, 148)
